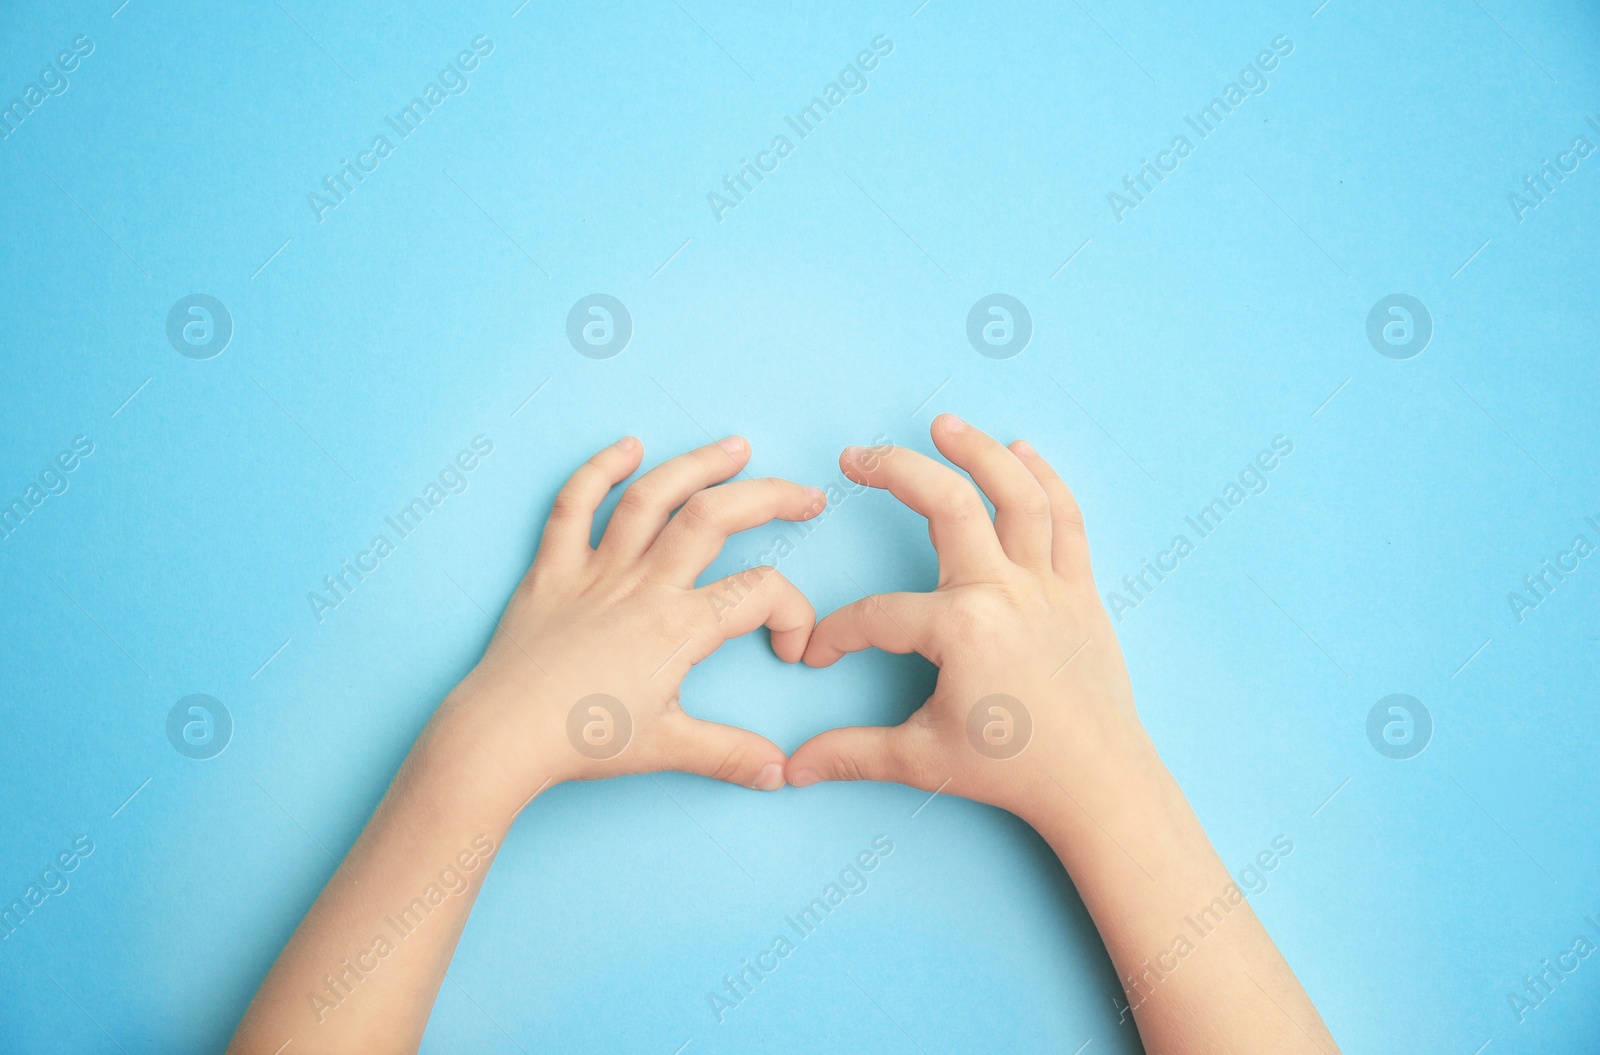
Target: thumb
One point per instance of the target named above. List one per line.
(859, 752)
(721, 752)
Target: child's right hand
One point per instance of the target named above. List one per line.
(1032, 687)
(582, 677)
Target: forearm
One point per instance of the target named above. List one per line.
(362, 970)
(1200, 972)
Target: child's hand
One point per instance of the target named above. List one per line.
(581, 679)
(1032, 687)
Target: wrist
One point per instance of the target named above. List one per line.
(1130, 823)
(483, 745)
(1120, 777)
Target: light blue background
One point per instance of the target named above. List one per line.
(823, 311)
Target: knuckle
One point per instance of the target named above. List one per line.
(1064, 505)
(566, 506)
(864, 611)
(919, 752)
(1034, 502)
(731, 591)
(718, 604)
(959, 504)
(734, 761)
(535, 581)
(753, 579)
(975, 613)
(848, 767)
(700, 512)
(914, 769)
(745, 582)
(639, 498)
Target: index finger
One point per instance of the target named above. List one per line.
(958, 522)
(891, 622)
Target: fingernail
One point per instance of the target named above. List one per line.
(852, 454)
(1023, 447)
(803, 778)
(951, 423)
(771, 778)
(816, 499)
(626, 443)
(732, 444)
